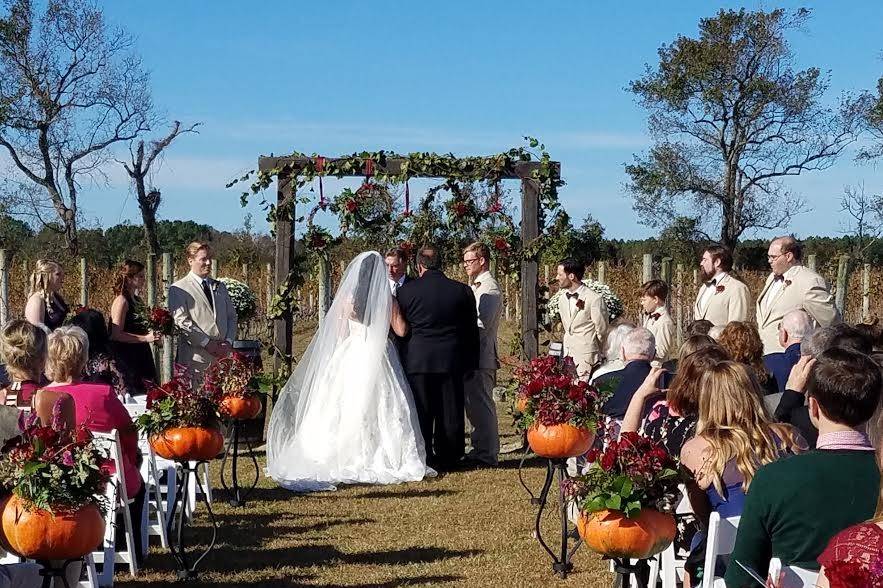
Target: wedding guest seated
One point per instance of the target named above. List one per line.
(23, 349)
(742, 342)
(795, 325)
(699, 327)
(671, 420)
(101, 366)
(734, 437)
(872, 331)
(638, 350)
(613, 361)
(792, 407)
(797, 504)
(98, 406)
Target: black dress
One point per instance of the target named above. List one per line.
(56, 312)
(136, 358)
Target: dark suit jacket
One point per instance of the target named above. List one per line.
(630, 379)
(780, 364)
(443, 325)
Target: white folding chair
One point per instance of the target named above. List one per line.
(119, 502)
(91, 579)
(794, 577)
(721, 541)
(154, 515)
(671, 565)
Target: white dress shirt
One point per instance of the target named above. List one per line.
(710, 288)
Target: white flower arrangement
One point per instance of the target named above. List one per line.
(614, 305)
(244, 299)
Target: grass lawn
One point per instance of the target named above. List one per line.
(463, 529)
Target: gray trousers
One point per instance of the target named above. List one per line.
(482, 414)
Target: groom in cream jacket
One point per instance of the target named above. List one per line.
(203, 312)
(583, 316)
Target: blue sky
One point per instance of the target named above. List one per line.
(467, 77)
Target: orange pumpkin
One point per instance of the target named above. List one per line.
(559, 441)
(39, 534)
(188, 443)
(611, 533)
(240, 408)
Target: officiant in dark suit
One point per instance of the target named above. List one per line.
(440, 349)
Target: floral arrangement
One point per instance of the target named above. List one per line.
(316, 238)
(244, 299)
(177, 404)
(369, 206)
(53, 468)
(632, 473)
(550, 394)
(233, 375)
(614, 305)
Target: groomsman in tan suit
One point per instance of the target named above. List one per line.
(721, 298)
(657, 320)
(479, 400)
(791, 286)
(583, 316)
(203, 313)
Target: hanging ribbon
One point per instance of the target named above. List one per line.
(320, 167)
(407, 199)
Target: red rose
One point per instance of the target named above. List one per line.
(155, 395)
(719, 289)
(495, 207)
(351, 205)
(592, 455)
(460, 208)
(608, 459)
(534, 387)
(787, 283)
(575, 393)
(580, 303)
(84, 436)
(501, 244)
(47, 435)
(317, 241)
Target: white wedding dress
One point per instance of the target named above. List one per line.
(346, 415)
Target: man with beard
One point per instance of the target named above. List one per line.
(722, 298)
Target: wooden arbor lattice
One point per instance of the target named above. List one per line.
(283, 328)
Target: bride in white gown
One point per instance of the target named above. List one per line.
(346, 414)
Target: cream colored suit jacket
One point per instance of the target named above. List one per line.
(584, 329)
(802, 288)
(197, 322)
(489, 302)
(663, 330)
(733, 303)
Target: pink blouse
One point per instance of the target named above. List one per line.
(100, 408)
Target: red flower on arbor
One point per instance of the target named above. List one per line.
(495, 207)
(351, 205)
(501, 245)
(460, 209)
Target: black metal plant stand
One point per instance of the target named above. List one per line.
(561, 562)
(50, 572)
(237, 494)
(186, 569)
(625, 570)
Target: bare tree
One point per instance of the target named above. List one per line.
(865, 218)
(732, 118)
(72, 88)
(138, 168)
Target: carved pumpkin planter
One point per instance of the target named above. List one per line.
(42, 535)
(559, 441)
(188, 443)
(241, 408)
(611, 533)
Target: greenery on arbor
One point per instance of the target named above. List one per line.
(732, 117)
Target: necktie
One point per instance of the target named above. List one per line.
(778, 278)
(208, 294)
(572, 295)
(711, 283)
(655, 316)
(476, 284)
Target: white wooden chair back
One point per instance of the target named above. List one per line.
(671, 566)
(794, 577)
(721, 541)
(119, 501)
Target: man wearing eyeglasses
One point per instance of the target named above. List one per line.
(480, 408)
(790, 286)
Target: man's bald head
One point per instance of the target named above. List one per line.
(796, 325)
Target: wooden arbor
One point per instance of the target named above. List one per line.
(285, 180)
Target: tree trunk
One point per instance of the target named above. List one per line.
(148, 215)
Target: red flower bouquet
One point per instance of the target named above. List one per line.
(157, 319)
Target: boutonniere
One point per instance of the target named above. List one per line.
(786, 284)
(580, 303)
(213, 284)
(719, 289)
(655, 316)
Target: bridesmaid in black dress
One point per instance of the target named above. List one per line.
(130, 335)
(45, 307)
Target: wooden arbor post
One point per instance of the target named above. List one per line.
(286, 179)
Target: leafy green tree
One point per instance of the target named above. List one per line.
(14, 233)
(732, 117)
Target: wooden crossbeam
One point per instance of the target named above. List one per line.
(520, 169)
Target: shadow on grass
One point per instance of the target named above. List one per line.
(412, 493)
(532, 461)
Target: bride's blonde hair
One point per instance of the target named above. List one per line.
(734, 422)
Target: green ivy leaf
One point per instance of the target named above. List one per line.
(614, 502)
